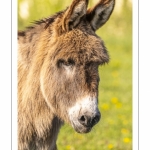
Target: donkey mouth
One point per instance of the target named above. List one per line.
(81, 128)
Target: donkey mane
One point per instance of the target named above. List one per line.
(45, 21)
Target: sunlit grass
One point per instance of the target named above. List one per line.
(114, 131)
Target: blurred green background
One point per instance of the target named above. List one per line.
(114, 131)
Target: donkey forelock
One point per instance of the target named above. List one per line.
(58, 77)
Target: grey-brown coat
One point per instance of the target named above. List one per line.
(58, 77)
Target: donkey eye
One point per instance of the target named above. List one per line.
(70, 62)
(62, 62)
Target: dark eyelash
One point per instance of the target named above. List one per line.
(61, 62)
(70, 62)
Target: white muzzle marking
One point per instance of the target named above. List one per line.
(88, 105)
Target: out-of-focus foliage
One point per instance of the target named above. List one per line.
(114, 131)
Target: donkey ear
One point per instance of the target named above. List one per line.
(73, 14)
(99, 14)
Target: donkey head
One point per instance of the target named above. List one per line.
(69, 76)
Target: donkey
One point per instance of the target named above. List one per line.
(58, 78)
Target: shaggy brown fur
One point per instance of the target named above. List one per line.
(58, 62)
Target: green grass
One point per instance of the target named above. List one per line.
(114, 131)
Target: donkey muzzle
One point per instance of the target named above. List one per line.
(89, 121)
(84, 114)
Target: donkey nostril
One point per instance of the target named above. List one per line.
(88, 120)
(82, 118)
(95, 120)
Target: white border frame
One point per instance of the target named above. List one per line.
(141, 75)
